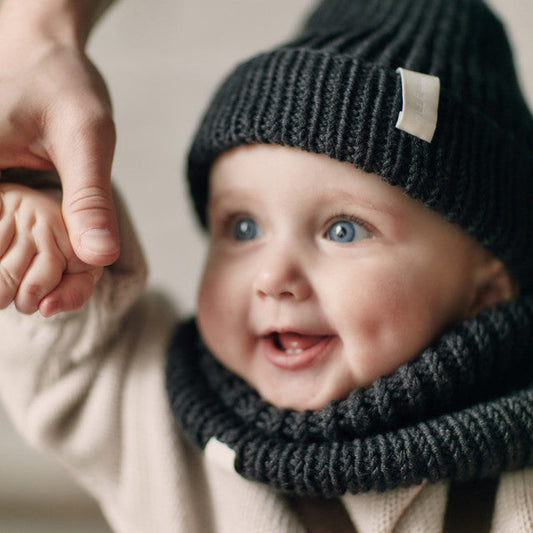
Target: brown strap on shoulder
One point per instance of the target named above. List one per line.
(323, 515)
(469, 509)
(470, 506)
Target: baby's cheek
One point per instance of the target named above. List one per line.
(207, 302)
(379, 332)
(219, 304)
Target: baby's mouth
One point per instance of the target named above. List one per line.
(289, 350)
(295, 343)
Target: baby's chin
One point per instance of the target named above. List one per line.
(294, 396)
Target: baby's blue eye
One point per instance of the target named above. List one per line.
(346, 231)
(246, 229)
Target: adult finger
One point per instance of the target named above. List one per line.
(82, 150)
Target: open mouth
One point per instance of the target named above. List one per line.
(295, 343)
(294, 351)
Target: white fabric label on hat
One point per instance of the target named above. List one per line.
(220, 454)
(420, 93)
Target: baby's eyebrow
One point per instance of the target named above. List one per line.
(362, 201)
(225, 201)
(228, 197)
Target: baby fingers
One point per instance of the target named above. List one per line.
(13, 265)
(42, 276)
(71, 293)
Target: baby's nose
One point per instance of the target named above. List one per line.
(282, 278)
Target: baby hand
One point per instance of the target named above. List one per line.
(38, 268)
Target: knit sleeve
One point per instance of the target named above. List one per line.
(514, 503)
(64, 380)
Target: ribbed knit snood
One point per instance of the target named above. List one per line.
(462, 410)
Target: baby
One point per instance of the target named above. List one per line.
(361, 352)
(312, 287)
(320, 277)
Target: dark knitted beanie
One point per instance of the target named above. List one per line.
(335, 90)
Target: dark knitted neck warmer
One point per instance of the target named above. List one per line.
(463, 410)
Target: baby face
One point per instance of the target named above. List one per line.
(321, 277)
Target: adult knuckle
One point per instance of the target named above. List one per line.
(84, 119)
(89, 198)
(100, 126)
(91, 122)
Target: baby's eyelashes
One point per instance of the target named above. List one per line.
(240, 224)
(347, 229)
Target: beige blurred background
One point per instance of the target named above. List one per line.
(162, 60)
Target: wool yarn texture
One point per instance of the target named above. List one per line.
(462, 410)
(334, 89)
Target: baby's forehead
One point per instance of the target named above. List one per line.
(264, 171)
(291, 182)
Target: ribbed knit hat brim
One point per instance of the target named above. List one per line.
(334, 91)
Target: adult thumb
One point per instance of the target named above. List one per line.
(84, 165)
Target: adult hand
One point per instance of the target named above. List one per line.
(56, 113)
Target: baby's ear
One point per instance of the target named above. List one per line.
(493, 285)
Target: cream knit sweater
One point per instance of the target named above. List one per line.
(88, 388)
